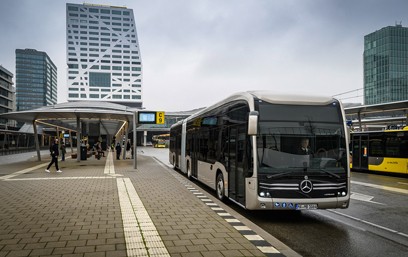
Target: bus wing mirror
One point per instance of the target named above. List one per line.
(253, 123)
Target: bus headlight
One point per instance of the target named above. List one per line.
(262, 194)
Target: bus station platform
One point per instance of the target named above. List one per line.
(107, 208)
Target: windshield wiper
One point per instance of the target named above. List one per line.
(330, 173)
(279, 175)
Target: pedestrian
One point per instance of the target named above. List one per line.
(127, 148)
(54, 156)
(118, 150)
(131, 151)
(63, 151)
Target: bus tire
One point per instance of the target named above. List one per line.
(188, 170)
(174, 163)
(220, 187)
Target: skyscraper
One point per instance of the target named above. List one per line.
(103, 55)
(386, 65)
(7, 97)
(36, 79)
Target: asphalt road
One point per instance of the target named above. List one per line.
(375, 224)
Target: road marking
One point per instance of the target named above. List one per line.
(392, 189)
(363, 197)
(370, 223)
(141, 236)
(55, 178)
(6, 177)
(402, 183)
(109, 168)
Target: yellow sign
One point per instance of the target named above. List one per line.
(159, 117)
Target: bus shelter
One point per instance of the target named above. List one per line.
(81, 118)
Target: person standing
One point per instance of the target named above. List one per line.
(118, 150)
(54, 157)
(63, 151)
(127, 148)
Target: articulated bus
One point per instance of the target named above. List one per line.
(381, 151)
(246, 149)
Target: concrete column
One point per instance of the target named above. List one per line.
(79, 133)
(37, 143)
(126, 128)
(134, 141)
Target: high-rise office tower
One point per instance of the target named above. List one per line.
(386, 65)
(36, 79)
(103, 55)
(7, 95)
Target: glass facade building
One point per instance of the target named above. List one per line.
(7, 95)
(103, 55)
(36, 79)
(386, 65)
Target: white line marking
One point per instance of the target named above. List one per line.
(232, 220)
(253, 237)
(268, 249)
(370, 223)
(241, 228)
(402, 183)
(392, 189)
(55, 178)
(23, 171)
(363, 197)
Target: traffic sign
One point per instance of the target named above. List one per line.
(159, 117)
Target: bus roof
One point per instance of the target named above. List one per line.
(268, 96)
(271, 97)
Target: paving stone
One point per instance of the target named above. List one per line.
(83, 217)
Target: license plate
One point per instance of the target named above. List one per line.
(310, 206)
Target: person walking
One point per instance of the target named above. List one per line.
(118, 150)
(63, 151)
(54, 157)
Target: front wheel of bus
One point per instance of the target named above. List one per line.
(188, 170)
(220, 187)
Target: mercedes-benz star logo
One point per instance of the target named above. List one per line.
(306, 186)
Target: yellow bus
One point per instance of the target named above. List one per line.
(380, 151)
(161, 141)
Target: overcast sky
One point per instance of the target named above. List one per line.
(197, 52)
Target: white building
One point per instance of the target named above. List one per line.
(103, 55)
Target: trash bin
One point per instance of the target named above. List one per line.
(83, 153)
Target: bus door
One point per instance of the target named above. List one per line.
(191, 150)
(360, 152)
(194, 155)
(236, 156)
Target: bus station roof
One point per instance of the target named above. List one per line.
(66, 114)
(380, 114)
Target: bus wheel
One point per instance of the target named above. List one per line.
(220, 187)
(188, 170)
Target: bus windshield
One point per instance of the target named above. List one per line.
(301, 140)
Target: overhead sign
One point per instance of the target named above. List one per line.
(159, 117)
(150, 117)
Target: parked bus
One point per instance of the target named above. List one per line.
(161, 141)
(381, 151)
(246, 149)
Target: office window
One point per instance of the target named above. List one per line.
(99, 79)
